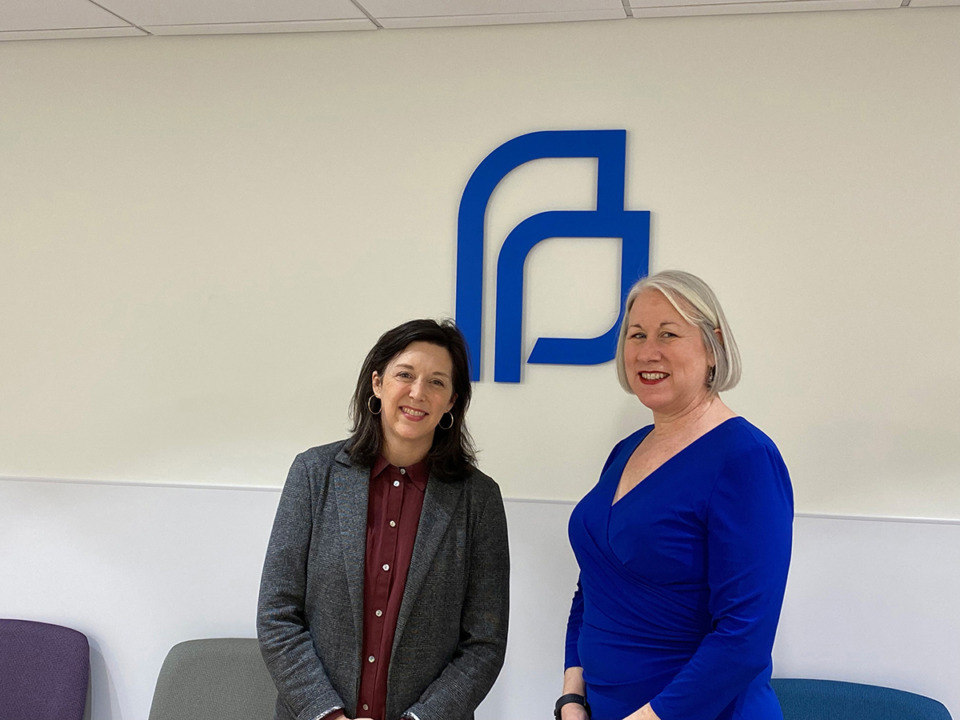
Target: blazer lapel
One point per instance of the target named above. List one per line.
(439, 503)
(352, 486)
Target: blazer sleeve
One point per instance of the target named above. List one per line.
(749, 532)
(468, 677)
(285, 641)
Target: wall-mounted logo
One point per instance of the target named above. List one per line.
(609, 220)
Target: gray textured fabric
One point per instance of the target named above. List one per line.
(803, 699)
(214, 679)
(452, 628)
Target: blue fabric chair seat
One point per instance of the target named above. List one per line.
(803, 699)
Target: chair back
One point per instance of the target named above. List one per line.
(44, 671)
(803, 699)
(212, 679)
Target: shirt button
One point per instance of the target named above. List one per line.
(396, 483)
(366, 707)
(371, 658)
(379, 614)
(385, 567)
(393, 523)
(403, 471)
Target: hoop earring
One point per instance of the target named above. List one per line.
(370, 405)
(440, 424)
(711, 375)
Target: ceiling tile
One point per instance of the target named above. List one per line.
(126, 31)
(383, 9)
(713, 7)
(764, 4)
(214, 12)
(255, 28)
(54, 15)
(511, 19)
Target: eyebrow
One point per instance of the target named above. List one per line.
(405, 366)
(663, 324)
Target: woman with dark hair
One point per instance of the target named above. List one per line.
(385, 587)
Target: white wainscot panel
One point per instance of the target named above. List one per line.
(139, 568)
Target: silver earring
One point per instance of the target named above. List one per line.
(712, 375)
(441, 425)
(370, 405)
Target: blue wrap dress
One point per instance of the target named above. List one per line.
(682, 580)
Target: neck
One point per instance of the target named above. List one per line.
(405, 455)
(703, 416)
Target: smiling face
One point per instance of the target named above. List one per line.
(665, 358)
(415, 390)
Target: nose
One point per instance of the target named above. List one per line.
(417, 388)
(648, 352)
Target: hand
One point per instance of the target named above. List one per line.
(644, 713)
(573, 683)
(573, 711)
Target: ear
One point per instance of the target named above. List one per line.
(453, 401)
(719, 333)
(377, 383)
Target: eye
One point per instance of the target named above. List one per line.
(638, 336)
(404, 374)
(438, 383)
(667, 334)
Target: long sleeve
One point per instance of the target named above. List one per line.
(749, 530)
(574, 621)
(285, 641)
(479, 654)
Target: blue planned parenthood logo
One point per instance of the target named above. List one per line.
(609, 220)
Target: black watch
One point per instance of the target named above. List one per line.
(570, 698)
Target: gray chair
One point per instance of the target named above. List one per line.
(803, 699)
(214, 679)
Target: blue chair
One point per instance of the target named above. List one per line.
(835, 700)
(44, 671)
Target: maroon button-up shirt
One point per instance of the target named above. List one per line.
(393, 516)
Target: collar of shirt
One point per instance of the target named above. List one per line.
(417, 473)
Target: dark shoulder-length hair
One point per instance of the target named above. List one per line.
(452, 453)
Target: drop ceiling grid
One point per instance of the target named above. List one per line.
(39, 19)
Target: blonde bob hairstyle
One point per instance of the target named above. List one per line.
(696, 303)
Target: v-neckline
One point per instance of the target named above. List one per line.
(614, 502)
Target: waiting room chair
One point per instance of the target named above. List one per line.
(214, 679)
(44, 671)
(835, 700)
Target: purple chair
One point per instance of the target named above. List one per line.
(44, 671)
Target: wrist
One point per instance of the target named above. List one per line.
(566, 700)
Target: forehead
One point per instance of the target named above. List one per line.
(424, 356)
(652, 307)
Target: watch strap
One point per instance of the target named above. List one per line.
(566, 700)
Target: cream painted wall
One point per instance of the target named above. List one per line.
(201, 237)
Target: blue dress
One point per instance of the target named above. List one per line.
(681, 581)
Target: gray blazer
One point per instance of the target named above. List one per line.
(452, 628)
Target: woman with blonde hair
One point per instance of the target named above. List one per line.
(684, 543)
